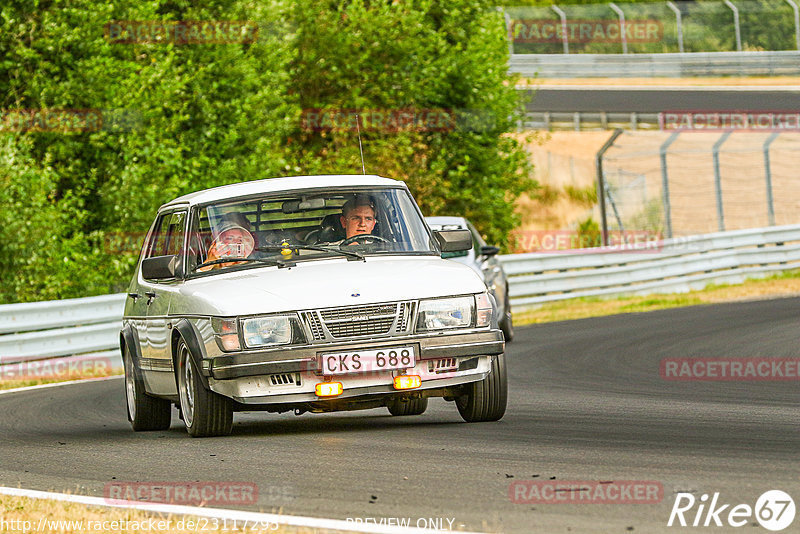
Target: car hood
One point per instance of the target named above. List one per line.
(324, 284)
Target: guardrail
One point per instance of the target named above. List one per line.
(80, 330)
(88, 328)
(670, 266)
(667, 65)
(589, 120)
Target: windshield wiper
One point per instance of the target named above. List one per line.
(273, 263)
(348, 253)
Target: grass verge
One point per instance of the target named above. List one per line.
(780, 285)
(13, 383)
(21, 514)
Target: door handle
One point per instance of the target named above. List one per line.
(150, 296)
(134, 296)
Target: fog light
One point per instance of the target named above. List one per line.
(329, 389)
(407, 382)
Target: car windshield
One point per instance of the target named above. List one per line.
(283, 229)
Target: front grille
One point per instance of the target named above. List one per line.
(285, 379)
(361, 328)
(406, 315)
(355, 321)
(442, 365)
(312, 320)
(349, 312)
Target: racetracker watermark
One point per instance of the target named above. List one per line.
(180, 32)
(68, 120)
(730, 369)
(430, 523)
(586, 492)
(573, 242)
(585, 31)
(774, 510)
(56, 369)
(146, 524)
(123, 242)
(187, 493)
(716, 121)
(396, 120)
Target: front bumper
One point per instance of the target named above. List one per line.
(289, 376)
(299, 359)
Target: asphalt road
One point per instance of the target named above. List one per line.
(655, 100)
(586, 403)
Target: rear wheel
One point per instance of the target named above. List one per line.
(408, 406)
(144, 412)
(486, 400)
(204, 412)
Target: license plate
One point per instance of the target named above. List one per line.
(366, 361)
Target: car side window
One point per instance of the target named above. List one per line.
(168, 235)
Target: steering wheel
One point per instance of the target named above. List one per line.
(367, 239)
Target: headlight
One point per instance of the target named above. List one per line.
(271, 330)
(437, 314)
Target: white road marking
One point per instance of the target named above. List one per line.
(220, 513)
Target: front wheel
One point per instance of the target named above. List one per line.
(486, 400)
(408, 406)
(204, 412)
(144, 412)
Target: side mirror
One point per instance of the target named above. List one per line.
(453, 240)
(489, 250)
(160, 267)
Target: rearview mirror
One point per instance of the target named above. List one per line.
(293, 206)
(160, 267)
(453, 240)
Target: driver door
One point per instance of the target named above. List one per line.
(168, 239)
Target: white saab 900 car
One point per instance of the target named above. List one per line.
(305, 294)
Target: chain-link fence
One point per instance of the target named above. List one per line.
(686, 183)
(654, 27)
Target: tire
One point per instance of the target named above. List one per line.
(409, 407)
(486, 400)
(144, 412)
(506, 323)
(204, 412)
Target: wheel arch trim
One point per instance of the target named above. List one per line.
(185, 330)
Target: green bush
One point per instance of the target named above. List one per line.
(74, 205)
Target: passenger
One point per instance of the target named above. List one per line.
(232, 239)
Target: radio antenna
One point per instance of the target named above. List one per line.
(360, 150)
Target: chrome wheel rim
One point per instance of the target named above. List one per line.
(187, 388)
(130, 387)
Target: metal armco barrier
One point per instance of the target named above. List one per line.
(668, 65)
(62, 328)
(90, 326)
(670, 266)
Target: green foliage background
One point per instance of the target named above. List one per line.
(73, 206)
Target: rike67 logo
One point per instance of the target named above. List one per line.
(774, 510)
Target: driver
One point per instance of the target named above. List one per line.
(358, 216)
(232, 240)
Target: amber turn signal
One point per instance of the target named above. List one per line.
(407, 382)
(328, 389)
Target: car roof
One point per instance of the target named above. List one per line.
(286, 183)
(439, 222)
